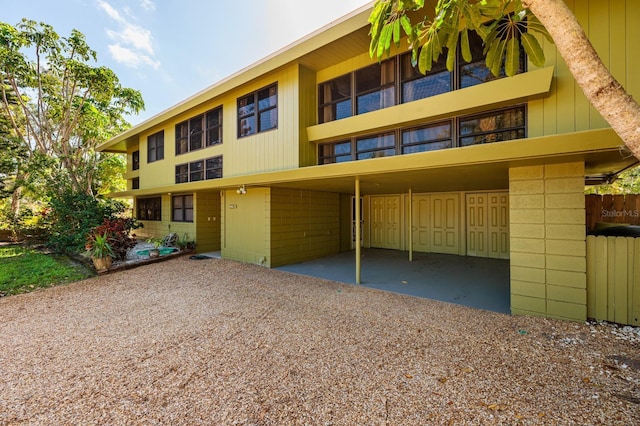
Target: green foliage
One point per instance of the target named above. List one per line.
(628, 182)
(99, 246)
(73, 216)
(56, 107)
(25, 269)
(503, 25)
(117, 233)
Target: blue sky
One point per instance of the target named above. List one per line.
(170, 49)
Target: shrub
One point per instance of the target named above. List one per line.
(118, 233)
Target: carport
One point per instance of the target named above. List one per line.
(464, 280)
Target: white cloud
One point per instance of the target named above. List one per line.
(148, 5)
(114, 14)
(133, 44)
(131, 58)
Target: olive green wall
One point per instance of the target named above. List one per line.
(548, 241)
(208, 232)
(303, 225)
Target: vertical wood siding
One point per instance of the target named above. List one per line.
(613, 279)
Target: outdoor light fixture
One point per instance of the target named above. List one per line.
(242, 190)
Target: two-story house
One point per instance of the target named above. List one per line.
(266, 165)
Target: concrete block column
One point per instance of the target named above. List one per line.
(548, 241)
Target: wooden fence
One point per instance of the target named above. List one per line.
(612, 209)
(613, 279)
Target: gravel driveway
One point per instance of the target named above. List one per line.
(216, 342)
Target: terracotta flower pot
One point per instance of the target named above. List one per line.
(102, 263)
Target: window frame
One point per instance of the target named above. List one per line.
(135, 160)
(402, 77)
(155, 147)
(153, 207)
(195, 171)
(249, 111)
(327, 153)
(193, 133)
(184, 208)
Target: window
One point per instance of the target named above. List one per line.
(210, 168)
(196, 171)
(476, 72)
(376, 146)
(490, 127)
(493, 126)
(214, 127)
(213, 168)
(258, 111)
(336, 152)
(155, 147)
(135, 183)
(150, 208)
(375, 87)
(135, 160)
(182, 208)
(334, 99)
(416, 85)
(198, 132)
(427, 138)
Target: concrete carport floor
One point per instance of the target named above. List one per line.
(464, 280)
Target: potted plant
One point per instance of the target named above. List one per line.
(157, 243)
(100, 251)
(186, 244)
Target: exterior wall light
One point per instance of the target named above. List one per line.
(242, 190)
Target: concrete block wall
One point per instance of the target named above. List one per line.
(548, 241)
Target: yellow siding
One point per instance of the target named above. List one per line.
(548, 254)
(245, 234)
(159, 229)
(613, 279)
(612, 27)
(308, 104)
(304, 225)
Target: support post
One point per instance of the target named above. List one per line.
(410, 225)
(358, 230)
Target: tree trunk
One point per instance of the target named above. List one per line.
(603, 91)
(15, 202)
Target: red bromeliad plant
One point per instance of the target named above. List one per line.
(119, 236)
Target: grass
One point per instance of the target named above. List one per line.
(24, 269)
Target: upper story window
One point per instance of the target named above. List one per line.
(135, 160)
(488, 127)
(258, 111)
(334, 99)
(155, 147)
(199, 132)
(210, 168)
(135, 183)
(376, 86)
(476, 71)
(415, 85)
(149, 208)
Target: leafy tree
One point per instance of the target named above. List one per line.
(504, 26)
(59, 106)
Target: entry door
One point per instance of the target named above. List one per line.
(445, 228)
(498, 225)
(385, 222)
(420, 223)
(488, 225)
(477, 225)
